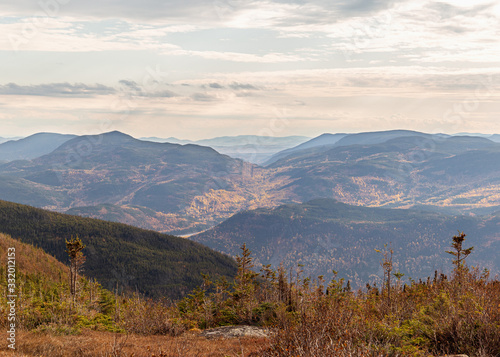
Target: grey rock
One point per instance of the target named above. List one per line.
(235, 332)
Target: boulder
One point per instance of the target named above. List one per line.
(235, 332)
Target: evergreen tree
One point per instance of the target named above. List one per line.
(74, 249)
(244, 288)
(459, 252)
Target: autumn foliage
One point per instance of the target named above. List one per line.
(459, 313)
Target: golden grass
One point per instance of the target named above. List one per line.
(32, 259)
(107, 344)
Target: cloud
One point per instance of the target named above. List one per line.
(349, 59)
(202, 97)
(454, 28)
(350, 27)
(133, 9)
(81, 90)
(57, 90)
(132, 88)
(132, 85)
(160, 94)
(360, 7)
(242, 86)
(216, 86)
(239, 56)
(344, 98)
(251, 13)
(449, 11)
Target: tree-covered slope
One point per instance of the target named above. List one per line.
(117, 254)
(325, 234)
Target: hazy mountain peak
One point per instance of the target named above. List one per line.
(327, 140)
(32, 146)
(324, 139)
(116, 133)
(109, 138)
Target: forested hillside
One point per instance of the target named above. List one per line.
(119, 255)
(325, 234)
(42, 293)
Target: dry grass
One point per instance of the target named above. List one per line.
(32, 259)
(106, 344)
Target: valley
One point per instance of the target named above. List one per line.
(181, 189)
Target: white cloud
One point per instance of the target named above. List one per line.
(354, 64)
(56, 90)
(239, 57)
(198, 11)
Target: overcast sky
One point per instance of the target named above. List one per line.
(197, 69)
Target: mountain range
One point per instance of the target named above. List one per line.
(3, 140)
(459, 173)
(322, 140)
(188, 188)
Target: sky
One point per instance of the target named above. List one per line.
(196, 69)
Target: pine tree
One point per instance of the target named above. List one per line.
(387, 266)
(460, 254)
(244, 289)
(74, 249)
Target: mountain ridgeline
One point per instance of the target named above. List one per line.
(32, 146)
(460, 174)
(325, 234)
(118, 255)
(189, 188)
(115, 168)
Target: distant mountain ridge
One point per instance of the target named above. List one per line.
(183, 181)
(365, 138)
(495, 138)
(170, 140)
(233, 140)
(460, 172)
(3, 140)
(32, 146)
(326, 141)
(322, 140)
(189, 188)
